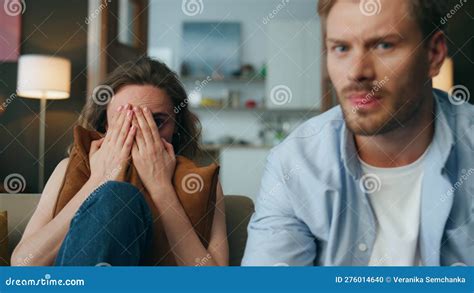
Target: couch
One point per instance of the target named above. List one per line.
(20, 208)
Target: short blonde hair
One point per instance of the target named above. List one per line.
(428, 14)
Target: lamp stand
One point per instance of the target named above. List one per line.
(42, 132)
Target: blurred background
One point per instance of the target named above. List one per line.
(253, 69)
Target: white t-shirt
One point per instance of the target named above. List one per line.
(396, 202)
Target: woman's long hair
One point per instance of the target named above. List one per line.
(145, 71)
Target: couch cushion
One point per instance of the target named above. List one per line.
(4, 255)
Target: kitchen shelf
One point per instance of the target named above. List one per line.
(258, 109)
(219, 147)
(226, 79)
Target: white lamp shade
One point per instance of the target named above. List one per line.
(444, 80)
(44, 77)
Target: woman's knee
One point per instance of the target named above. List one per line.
(114, 197)
(118, 191)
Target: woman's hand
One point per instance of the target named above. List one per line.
(111, 153)
(152, 156)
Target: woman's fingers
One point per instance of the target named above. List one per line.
(116, 126)
(139, 139)
(95, 145)
(168, 147)
(128, 144)
(145, 129)
(111, 125)
(135, 151)
(151, 123)
(124, 128)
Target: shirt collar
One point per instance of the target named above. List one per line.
(442, 140)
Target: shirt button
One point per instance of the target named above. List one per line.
(362, 247)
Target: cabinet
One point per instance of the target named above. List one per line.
(242, 170)
(294, 62)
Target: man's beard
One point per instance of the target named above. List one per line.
(385, 120)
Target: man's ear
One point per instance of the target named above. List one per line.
(437, 53)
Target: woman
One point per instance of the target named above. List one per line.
(147, 121)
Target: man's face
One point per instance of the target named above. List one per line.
(377, 63)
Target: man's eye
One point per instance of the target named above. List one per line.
(340, 48)
(384, 46)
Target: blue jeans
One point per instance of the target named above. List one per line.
(112, 227)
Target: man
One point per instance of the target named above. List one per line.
(386, 178)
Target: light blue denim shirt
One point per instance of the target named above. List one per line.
(311, 209)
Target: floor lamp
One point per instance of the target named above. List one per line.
(45, 78)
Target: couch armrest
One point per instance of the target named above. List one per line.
(20, 208)
(238, 210)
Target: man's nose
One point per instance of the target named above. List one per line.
(362, 67)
